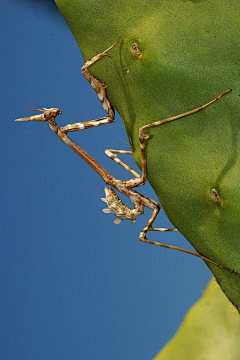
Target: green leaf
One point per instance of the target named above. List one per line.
(190, 55)
(210, 330)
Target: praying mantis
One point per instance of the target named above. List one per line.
(114, 204)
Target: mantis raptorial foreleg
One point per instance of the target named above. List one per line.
(115, 205)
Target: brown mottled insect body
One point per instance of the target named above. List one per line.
(115, 205)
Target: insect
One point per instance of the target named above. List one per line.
(114, 204)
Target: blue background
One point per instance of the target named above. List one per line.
(73, 284)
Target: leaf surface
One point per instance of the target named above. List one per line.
(210, 330)
(190, 55)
